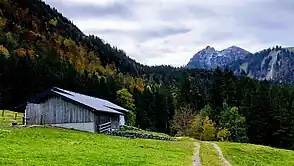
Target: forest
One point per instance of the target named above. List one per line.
(40, 48)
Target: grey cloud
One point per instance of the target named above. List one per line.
(183, 12)
(212, 36)
(164, 32)
(268, 21)
(84, 11)
(270, 14)
(143, 35)
(276, 5)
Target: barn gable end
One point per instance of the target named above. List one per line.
(58, 112)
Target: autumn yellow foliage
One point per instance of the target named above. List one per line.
(109, 70)
(31, 52)
(53, 21)
(68, 42)
(139, 84)
(2, 22)
(4, 50)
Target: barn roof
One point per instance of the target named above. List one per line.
(95, 103)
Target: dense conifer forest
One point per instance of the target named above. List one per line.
(40, 48)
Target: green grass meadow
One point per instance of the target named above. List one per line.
(51, 146)
(256, 155)
(25, 146)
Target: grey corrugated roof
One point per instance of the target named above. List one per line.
(93, 102)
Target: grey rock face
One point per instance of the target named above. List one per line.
(209, 58)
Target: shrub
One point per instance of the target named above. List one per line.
(181, 121)
(223, 134)
(208, 130)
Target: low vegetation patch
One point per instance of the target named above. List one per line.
(131, 134)
(208, 155)
(138, 130)
(246, 154)
(146, 132)
(134, 132)
(51, 146)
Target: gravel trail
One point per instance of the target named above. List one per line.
(219, 151)
(196, 157)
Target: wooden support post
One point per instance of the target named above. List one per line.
(41, 120)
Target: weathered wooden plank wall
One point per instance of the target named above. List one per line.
(57, 111)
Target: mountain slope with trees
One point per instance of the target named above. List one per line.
(39, 48)
(274, 64)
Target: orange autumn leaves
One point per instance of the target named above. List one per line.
(23, 52)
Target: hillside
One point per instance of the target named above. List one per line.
(40, 48)
(274, 64)
(37, 24)
(53, 146)
(46, 146)
(247, 154)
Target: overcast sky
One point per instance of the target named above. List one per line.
(156, 32)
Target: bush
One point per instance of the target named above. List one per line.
(185, 123)
(181, 121)
(208, 130)
(195, 128)
(223, 134)
(201, 128)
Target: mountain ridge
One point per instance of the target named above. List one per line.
(275, 64)
(210, 58)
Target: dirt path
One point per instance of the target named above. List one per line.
(219, 151)
(196, 157)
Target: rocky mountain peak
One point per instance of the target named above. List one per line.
(210, 58)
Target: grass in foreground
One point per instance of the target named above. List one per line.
(49, 146)
(208, 155)
(246, 154)
(8, 117)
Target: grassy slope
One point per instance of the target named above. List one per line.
(48, 146)
(7, 117)
(208, 155)
(246, 154)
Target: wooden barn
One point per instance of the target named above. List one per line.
(63, 108)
